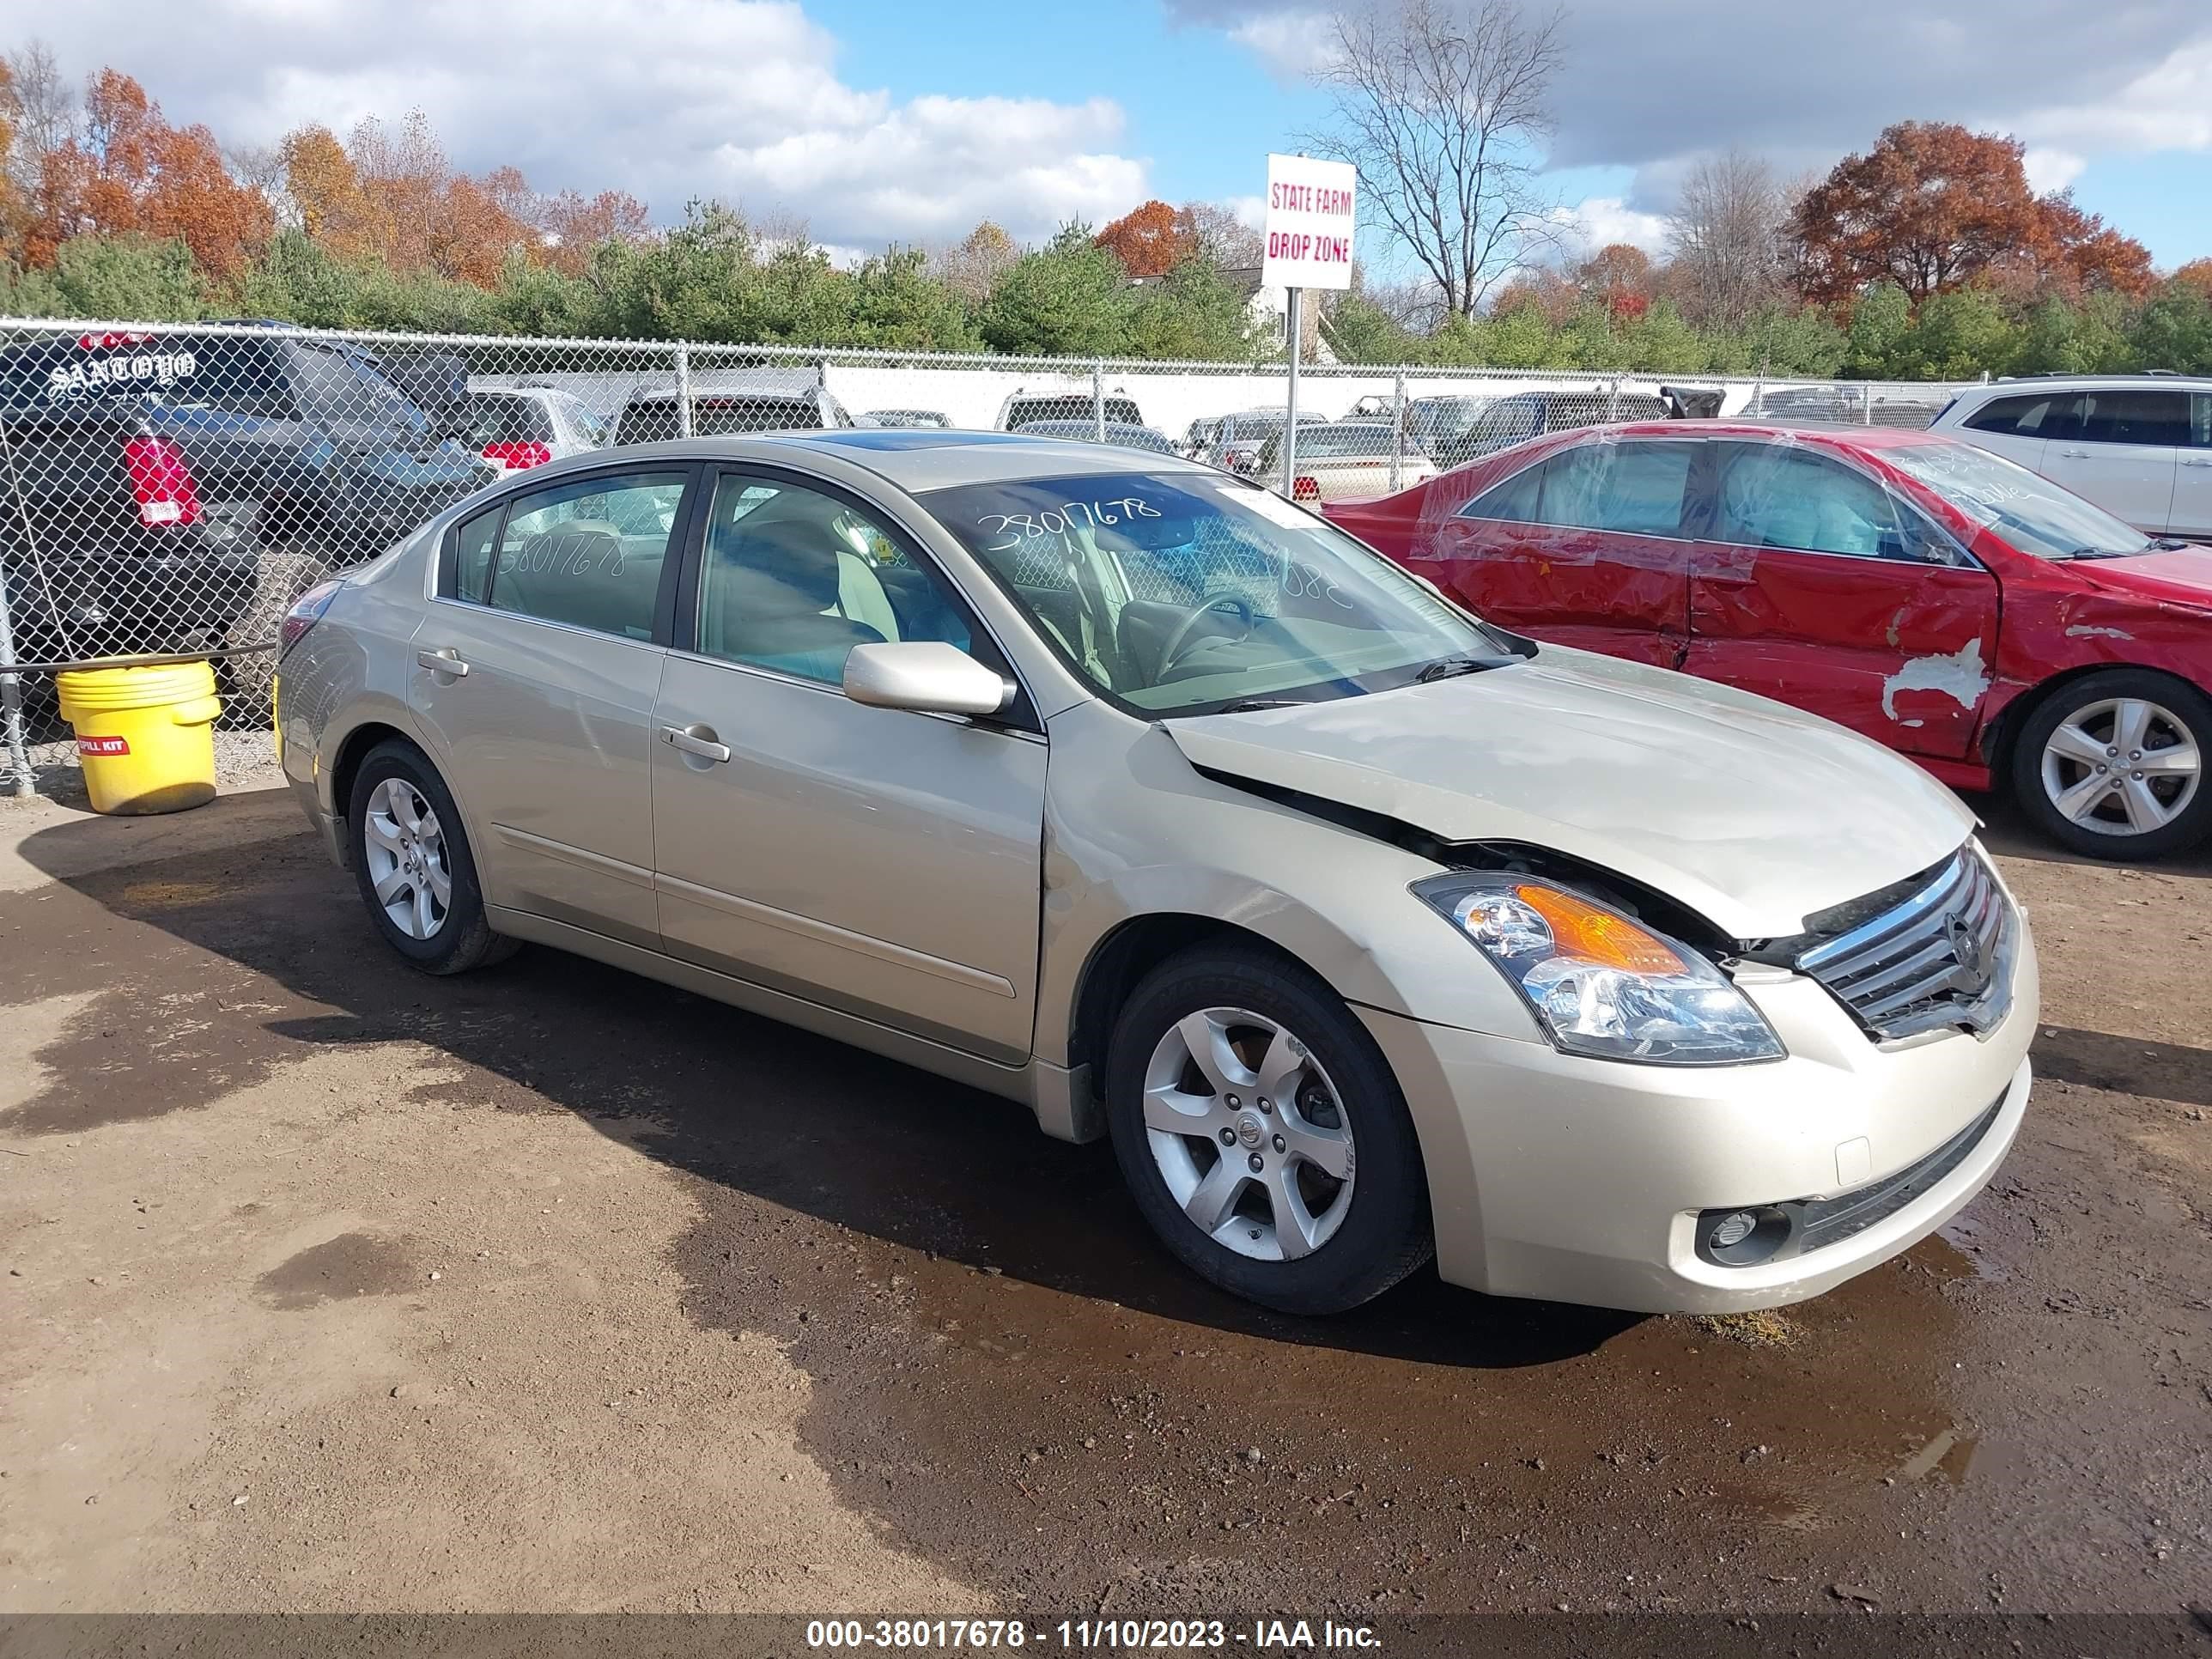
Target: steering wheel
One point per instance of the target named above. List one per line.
(1183, 639)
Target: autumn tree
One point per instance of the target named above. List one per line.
(574, 226)
(325, 191)
(1933, 207)
(1218, 235)
(1617, 278)
(973, 266)
(132, 174)
(1150, 240)
(2196, 274)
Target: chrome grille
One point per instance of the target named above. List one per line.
(1942, 957)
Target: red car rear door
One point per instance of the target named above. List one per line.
(1816, 584)
(1586, 549)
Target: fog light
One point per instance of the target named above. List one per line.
(1732, 1230)
(1744, 1238)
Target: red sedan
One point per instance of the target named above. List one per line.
(1937, 598)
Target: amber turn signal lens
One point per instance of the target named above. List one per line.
(1581, 929)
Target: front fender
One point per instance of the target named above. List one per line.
(1132, 829)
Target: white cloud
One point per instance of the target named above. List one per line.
(2168, 107)
(666, 99)
(1291, 44)
(2050, 169)
(1600, 221)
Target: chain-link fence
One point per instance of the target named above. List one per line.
(170, 490)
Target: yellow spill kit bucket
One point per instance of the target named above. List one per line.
(144, 736)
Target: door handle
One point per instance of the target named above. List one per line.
(695, 740)
(442, 662)
(2197, 460)
(2075, 454)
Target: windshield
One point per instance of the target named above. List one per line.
(1329, 442)
(2030, 512)
(1181, 594)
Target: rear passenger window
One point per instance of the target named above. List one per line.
(1513, 502)
(590, 553)
(1627, 488)
(2135, 418)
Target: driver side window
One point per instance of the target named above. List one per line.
(791, 579)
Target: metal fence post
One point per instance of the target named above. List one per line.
(683, 389)
(1099, 399)
(15, 772)
(1868, 420)
(1612, 402)
(1294, 335)
(1397, 427)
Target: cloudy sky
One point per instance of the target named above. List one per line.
(878, 120)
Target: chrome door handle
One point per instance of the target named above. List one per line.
(2197, 460)
(2075, 454)
(441, 662)
(695, 740)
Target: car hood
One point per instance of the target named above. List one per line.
(2180, 574)
(1750, 814)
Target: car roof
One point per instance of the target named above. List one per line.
(911, 459)
(1816, 432)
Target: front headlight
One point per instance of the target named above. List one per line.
(1599, 983)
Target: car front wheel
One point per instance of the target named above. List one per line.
(2113, 765)
(412, 860)
(1263, 1135)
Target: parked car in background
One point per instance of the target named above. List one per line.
(517, 428)
(1024, 405)
(158, 478)
(1118, 433)
(1237, 439)
(903, 418)
(1525, 414)
(2140, 446)
(1118, 787)
(1959, 608)
(752, 400)
(1847, 405)
(1443, 427)
(1340, 460)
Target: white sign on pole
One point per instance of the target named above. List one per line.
(1311, 209)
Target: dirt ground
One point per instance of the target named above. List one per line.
(324, 1285)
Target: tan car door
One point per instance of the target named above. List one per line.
(882, 863)
(534, 678)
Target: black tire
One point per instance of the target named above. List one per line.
(2191, 713)
(463, 939)
(1384, 1230)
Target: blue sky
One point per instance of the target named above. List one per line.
(883, 120)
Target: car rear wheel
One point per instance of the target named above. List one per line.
(411, 859)
(1263, 1135)
(2113, 765)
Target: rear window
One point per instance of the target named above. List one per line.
(137, 367)
(511, 421)
(649, 421)
(1073, 407)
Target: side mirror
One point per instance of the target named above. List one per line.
(926, 676)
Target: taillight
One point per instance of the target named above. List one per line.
(307, 611)
(517, 456)
(160, 482)
(108, 341)
(1305, 489)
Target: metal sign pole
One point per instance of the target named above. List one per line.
(1291, 407)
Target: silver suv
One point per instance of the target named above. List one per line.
(2139, 445)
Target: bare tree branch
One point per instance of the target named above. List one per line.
(1725, 239)
(1441, 105)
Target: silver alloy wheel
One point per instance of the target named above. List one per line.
(405, 848)
(1249, 1133)
(2122, 766)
